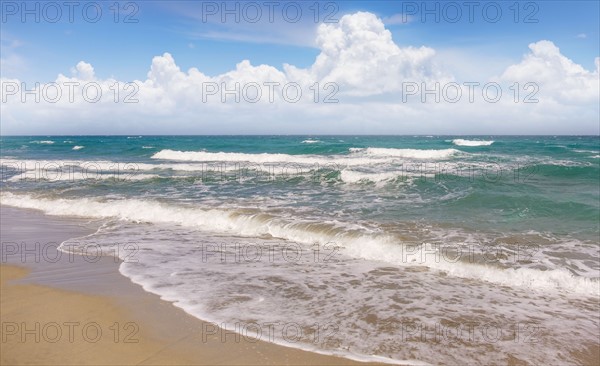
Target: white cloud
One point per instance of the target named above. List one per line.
(83, 71)
(360, 56)
(557, 76)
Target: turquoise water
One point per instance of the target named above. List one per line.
(482, 220)
(547, 184)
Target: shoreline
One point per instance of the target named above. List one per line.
(40, 285)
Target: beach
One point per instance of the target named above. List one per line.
(52, 310)
(73, 311)
(438, 250)
(300, 183)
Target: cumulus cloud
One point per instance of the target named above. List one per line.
(358, 53)
(368, 69)
(558, 77)
(83, 71)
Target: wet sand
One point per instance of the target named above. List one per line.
(61, 309)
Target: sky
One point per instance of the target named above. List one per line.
(300, 67)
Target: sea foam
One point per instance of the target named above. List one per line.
(357, 243)
(462, 142)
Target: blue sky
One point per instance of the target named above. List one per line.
(552, 44)
(125, 50)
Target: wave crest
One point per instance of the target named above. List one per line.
(356, 242)
(462, 142)
(407, 153)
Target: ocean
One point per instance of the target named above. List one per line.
(399, 249)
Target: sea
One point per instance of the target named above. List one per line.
(395, 249)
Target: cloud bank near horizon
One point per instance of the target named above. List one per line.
(361, 82)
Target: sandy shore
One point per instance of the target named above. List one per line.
(58, 309)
